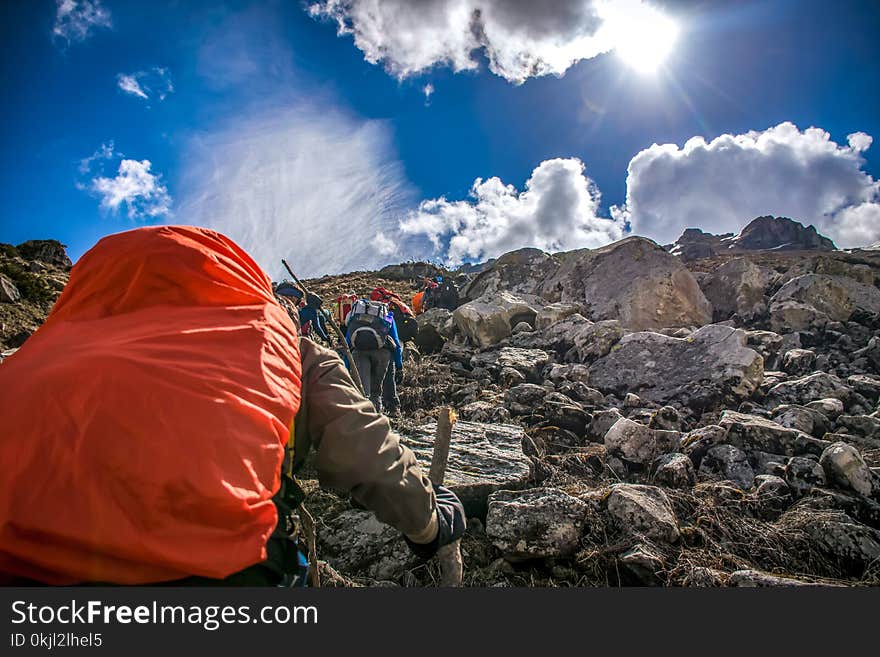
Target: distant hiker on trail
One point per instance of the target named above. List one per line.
(441, 293)
(372, 335)
(159, 417)
(311, 314)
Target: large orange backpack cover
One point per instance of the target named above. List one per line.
(144, 424)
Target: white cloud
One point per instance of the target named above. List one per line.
(75, 20)
(520, 38)
(556, 211)
(142, 192)
(428, 91)
(722, 184)
(306, 184)
(155, 83)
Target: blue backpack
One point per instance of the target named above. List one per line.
(369, 325)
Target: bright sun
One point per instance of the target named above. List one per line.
(643, 38)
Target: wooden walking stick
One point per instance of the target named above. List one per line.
(449, 556)
(335, 327)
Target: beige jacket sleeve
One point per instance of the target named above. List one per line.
(356, 450)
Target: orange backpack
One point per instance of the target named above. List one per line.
(144, 424)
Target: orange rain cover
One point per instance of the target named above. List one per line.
(143, 425)
(417, 300)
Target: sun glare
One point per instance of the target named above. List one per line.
(643, 37)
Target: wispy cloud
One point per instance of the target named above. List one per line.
(428, 91)
(105, 152)
(75, 20)
(153, 83)
(319, 188)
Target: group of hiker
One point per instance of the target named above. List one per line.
(168, 402)
(375, 328)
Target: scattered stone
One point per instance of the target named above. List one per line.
(8, 292)
(765, 343)
(535, 523)
(844, 467)
(802, 474)
(594, 341)
(602, 422)
(772, 493)
(750, 433)
(802, 418)
(829, 407)
(666, 418)
(529, 362)
(675, 471)
(571, 372)
(643, 565)
(851, 545)
(632, 401)
(643, 510)
(636, 443)
(861, 425)
(695, 444)
(522, 327)
(864, 384)
(729, 463)
(798, 361)
(819, 385)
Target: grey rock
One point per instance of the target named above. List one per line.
(802, 474)
(736, 287)
(636, 443)
(802, 418)
(766, 343)
(823, 293)
(829, 407)
(818, 385)
(8, 292)
(602, 422)
(356, 542)
(860, 425)
(483, 458)
(866, 385)
(489, 319)
(845, 468)
(695, 444)
(554, 312)
(675, 471)
(714, 362)
(633, 280)
(851, 545)
(728, 463)
(570, 372)
(643, 510)
(643, 564)
(595, 340)
(435, 328)
(666, 418)
(772, 493)
(535, 523)
(530, 362)
(798, 361)
(751, 433)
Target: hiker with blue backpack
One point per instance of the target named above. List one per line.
(371, 333)
(311, 315)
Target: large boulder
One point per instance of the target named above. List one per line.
(486, 321)
(712, 364)
(736, 287)
(643, 510)
(633, 280)
(483, 458)
(435, 328)
(553, 313)
(519, 272)
(830, 299)
(535, 523)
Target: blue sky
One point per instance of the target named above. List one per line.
(277, 131)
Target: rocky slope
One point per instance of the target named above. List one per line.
(625, 418)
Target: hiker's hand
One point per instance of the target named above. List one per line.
(451, 524)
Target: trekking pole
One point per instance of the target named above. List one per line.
(335, 327)
(449, 556)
